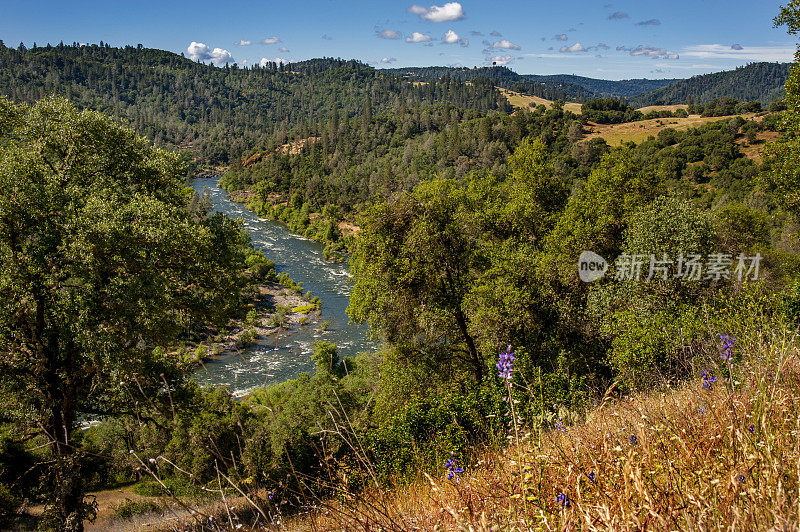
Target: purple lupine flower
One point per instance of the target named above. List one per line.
(453, 469)
(633, 440)
(727, 347)
(505, 364)
(708, 380)
(751, 428)
(560, 426)
(740, 478)
(591, 476)
(563, 500)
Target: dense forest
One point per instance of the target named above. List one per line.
(220, 113)
(500, 76)
(757, 81)
(602, 87)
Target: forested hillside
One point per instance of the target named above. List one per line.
(502, 77)
(220, 112)
(602, 87)
(757, 81)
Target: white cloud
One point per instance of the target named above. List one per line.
(505, 44)
(388, 34)
(782, 53)
(387, 60)
(264, 61)
(218, 56)
(270, 40)
(577, 47)
(283, 50)
(418, 37)
(450, 37)
(561, 37)
(500, 59)
(446, 13)
(243, 43)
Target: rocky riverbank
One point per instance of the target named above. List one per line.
(275, 309)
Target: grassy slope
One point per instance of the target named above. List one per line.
(616, 134)
(523, 101)
(685, 458)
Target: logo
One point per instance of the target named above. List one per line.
(591, 267)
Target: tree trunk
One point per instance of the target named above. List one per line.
(66, 508)
(477, 363)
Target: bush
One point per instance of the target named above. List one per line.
(130, 508)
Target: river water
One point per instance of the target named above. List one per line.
(280, 358)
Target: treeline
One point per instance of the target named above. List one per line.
(220, 113)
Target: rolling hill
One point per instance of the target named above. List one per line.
(606, 88)
(502, 77)
(756, 81)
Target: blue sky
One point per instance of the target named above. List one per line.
(598, 38)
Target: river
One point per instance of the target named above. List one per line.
(280, 358)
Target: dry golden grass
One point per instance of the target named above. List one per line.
(756, 151)
(522, 101)
(684, 459)
(616, 134)
(671, 108)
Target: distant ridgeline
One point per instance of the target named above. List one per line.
(756, 81)
(222, 113)
(605, 88)
(541, 86)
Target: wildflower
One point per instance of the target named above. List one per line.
(633, 440)
(727, 347)
(454, 470)
(708, 380)
(560, 426)
(591, 476)
(740, 478)
(702, 410)
(505, 364)
(563, 499)
(751, 428)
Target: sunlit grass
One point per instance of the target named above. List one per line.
(720, 457)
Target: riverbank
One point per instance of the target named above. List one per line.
(335, 234)
(276, 308)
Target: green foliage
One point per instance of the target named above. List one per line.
(609, 111)
(201, 435)
(756, 81)
(129, 509)
(92, 216)
(223, 112)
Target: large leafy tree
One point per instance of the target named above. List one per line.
(452, 266)
(101, 259)
(785, 177)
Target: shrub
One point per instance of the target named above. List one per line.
(130, 508)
